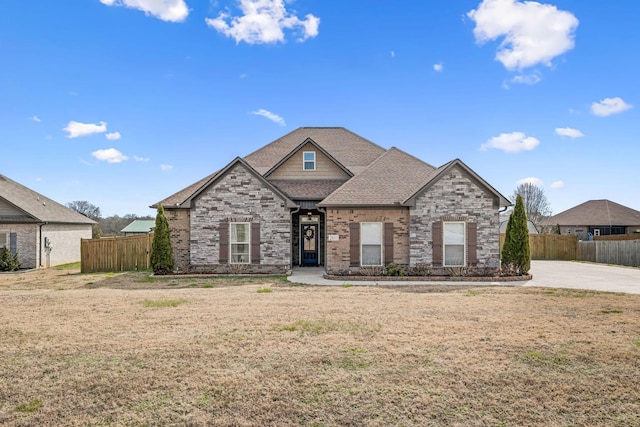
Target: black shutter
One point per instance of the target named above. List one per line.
(388, 243)
(354, 244)
(472, 243)
(13, 243)
(255, 243)
(223, 234)
(436, 234)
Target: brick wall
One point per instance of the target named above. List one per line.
(26, 243)
(179, 235)
(455, 195)
(242, 197)
(338, 221)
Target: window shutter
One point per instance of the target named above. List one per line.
(472, 243)
(354, 244)
(13, 243)
(436, 232)
(255, 243)
(388, 242)
(223, 232)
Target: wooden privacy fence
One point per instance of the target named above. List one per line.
(551, 246)
(116, 254)
(619, 252)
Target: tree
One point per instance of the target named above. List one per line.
(161, 254)
(516, 253)
(90, 211)
(535, 201)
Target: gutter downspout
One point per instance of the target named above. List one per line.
(324, 211)
(40, 243)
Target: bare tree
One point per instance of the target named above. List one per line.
(89, 210)
(535, 202)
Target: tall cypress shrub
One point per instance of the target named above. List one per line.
(161, 254)
(520, 249)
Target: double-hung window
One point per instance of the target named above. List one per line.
(4, 240)
(371, 243)
(309, 160)
(454, 244)
(239, 242)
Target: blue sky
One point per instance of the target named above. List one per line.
(123, 102)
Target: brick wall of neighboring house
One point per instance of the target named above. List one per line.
(179, 235)
(240, 197)
(455, 195)
(65, 243)
(338, 224)
(26, 242)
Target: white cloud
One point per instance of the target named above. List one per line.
(570, 132)
(113, 136)
(393, 54)
(557, 185)
(75, 129)
(166, 168)
(269, 115)
(527, 79)
(531, 180)
(141, 159)
(36, 119)
(263, 21)
(533, 33)
(511, 142)
(439, 67)
(165, 10)
(109, 155)
(609, 106)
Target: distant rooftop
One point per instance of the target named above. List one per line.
(140, 226)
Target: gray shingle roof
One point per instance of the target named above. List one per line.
(597, 212)
(389, 180)
(352, 151)
(37, 208)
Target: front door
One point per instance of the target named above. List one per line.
(309, 237)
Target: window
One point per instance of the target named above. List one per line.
(309, 160)
(454, 244)
(4, 240)
(239, 240)
(371, 243)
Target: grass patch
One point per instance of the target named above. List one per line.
(264, 291)
(147, 279)
(69, 266)
(208, 286)
(27, 408)
(541, 357)
(347, 285)
(637, 343)
(324, 326)
(159, 303)
(611, 311)
(471, 294)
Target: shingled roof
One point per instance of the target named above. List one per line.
(597, 212)
(389, 180)
(35, 207)
(352, 151)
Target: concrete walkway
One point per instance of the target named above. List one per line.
(552, 274)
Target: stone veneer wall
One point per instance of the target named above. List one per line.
(455, 195)
(240, 196)
(338, 221)
(179, 232)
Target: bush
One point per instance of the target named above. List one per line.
(394, 269)
(8, 261)
(516, 253)
(161, 254)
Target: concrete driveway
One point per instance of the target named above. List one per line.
(551, 274)
(580, 275)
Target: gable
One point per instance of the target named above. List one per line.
(292, 168)
(9, 213)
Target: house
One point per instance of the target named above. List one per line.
(139, 226)
(44, 233)
(324, 196)
(596, 218)
(504, 219)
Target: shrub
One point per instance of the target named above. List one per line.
(394, 269)
(516, 253)
(161, 254)
(8, 261)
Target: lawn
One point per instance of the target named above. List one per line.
(129, 349)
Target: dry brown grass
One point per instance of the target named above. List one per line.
(126, 350)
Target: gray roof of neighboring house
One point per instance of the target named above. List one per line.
(36, 207)
(140, 226)
(596, 212)
(389, 180)
(504, 218)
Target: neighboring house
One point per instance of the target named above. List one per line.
(504, 219)
(139, 226)
(44, 233)
(596, 218)
(328, 197)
